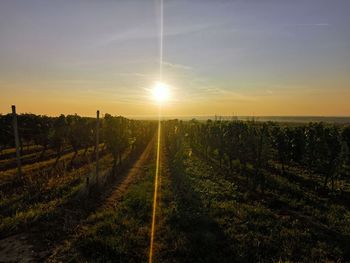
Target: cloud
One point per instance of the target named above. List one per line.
(310, 24)
(133, 74)
(176, 66)
(148, 31)
(214, 93)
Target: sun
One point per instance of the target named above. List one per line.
(160, 92)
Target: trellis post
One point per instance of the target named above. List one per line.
(97, 144)
(18, 152)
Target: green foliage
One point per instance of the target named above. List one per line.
(316, 146)
(116, 135)
(229, 190)
(287, 222)
(48, 184)
(58, 132)
(79, 131)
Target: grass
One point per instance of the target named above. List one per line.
(205, 214)
(11, 152)
(46, 165)
(118, 234)
(286, 222)
(32, 157)
(44, 195)
(187, 232)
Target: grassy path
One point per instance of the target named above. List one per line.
(116, 228)
(186, 231)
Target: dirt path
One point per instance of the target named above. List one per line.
(134, 171)
(44, 239)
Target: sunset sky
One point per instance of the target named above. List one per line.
(243, 57)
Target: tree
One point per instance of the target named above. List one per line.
(280, 142)
(331, 159)
(77, 133)
(115, 135)
(6, 132)
(297, 144)
(231, 142)
(346, 138)
(42, 129)
(217, 140)
(244, 146)
(261, 152)
(57, 136)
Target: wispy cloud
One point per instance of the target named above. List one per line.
(150, 32)
(134, 74)
(176, 66)
(311, 24)
(214, 93)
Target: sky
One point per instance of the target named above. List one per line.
(238, 57)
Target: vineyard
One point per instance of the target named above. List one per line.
(80, 189)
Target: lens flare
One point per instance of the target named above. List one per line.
(160, 92)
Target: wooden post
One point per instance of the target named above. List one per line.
(97, 144)
(18, 153)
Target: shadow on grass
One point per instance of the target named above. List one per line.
(299, 214)
(194, 236)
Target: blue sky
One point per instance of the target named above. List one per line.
(248, 57)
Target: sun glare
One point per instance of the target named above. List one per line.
(160, 92)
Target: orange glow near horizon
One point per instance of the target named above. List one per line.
(326, 103)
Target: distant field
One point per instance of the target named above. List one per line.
(296, 119)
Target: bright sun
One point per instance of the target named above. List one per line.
(160, 92)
